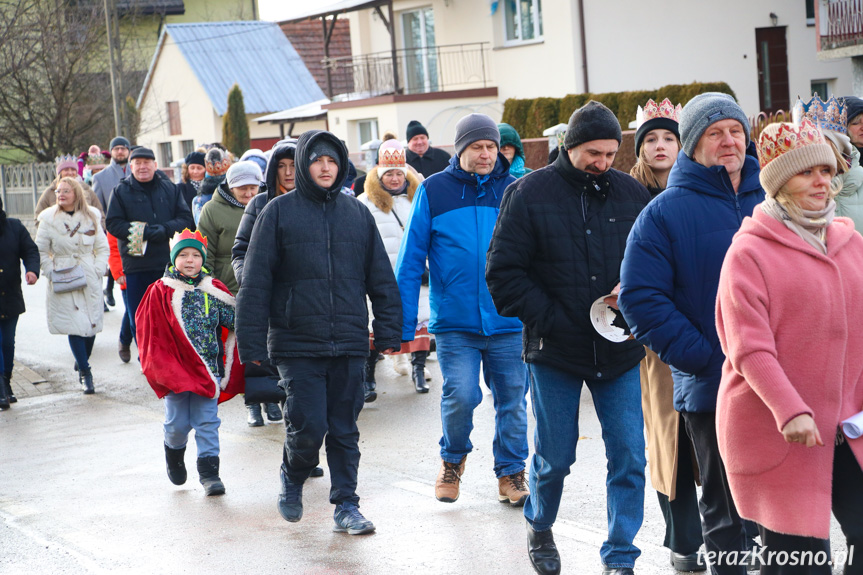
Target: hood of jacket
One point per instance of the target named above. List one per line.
(713, 180)
(305, 185)
(209, 185)
(284, 149)
(500, 171)
(374, 189)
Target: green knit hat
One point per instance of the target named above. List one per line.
(188, 239)
(509, 137)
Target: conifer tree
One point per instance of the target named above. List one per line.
(235, 127)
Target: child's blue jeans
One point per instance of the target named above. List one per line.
(187, 411)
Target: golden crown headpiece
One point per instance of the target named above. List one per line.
(788, 137)
(391, 158)
(652, 110)
(830, 115)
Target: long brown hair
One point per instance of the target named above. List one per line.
(80, 204)
(642, 171)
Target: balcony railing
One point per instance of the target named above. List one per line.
(844, 26)
(409, 71)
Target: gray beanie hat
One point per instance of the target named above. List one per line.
(243, 174)
(475, 127)
(593, 121)
(322, 147)
(119, 141)
(704, 110)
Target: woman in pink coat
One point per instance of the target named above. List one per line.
(790, 322)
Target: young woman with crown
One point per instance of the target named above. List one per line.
(788, 320)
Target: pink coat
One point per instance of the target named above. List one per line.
(790, 321)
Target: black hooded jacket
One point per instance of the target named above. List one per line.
(284, 149)
(313, 257)
(16, 246)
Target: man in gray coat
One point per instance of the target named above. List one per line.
(105, 181)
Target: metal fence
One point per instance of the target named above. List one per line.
(844, 23)
(21, 185)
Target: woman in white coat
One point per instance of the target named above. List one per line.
(388, 192)
(73, 247)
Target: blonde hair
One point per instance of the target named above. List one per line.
(841, 163)
(642, 171)
(786, 199)
(80, 204)
(184, 173)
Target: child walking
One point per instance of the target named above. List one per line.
(179, 325)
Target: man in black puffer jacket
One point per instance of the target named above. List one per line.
(148, 196)
(314, 255)
(556, 249)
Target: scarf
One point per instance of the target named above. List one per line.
(811, 226)
(196, 184)
(399, 192)
(517, 167)
(174, 273)
(229, 197)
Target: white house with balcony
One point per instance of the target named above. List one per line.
(436, 60)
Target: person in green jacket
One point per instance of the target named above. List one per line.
(513, 151)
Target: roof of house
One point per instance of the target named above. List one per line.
(307, 37)
(255, 55)
(315, 11)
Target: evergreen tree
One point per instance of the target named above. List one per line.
(235, 127)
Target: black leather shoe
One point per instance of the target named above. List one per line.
(86, 380)
(369, 393)
(542, 551)
(617, 571)
(690, 562)
(109, 298)
(419, 378)
(317, 472)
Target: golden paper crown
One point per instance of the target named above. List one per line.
(788, 137)
(830, 115)
(652, 110)
(188, 234)
(391, 158)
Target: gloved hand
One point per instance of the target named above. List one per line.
(155, 233)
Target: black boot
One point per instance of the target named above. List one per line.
(255, 418)
(542, 551)
(109, 297)
(4, 399)
(418, 360)
(176, 466)
(7, 383)
(208, 470)
(369, 384)
(85, 376)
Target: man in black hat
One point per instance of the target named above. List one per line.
(556, 249)
(313, 257)
(424, 159)
(148, 206)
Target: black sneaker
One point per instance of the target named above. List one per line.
(109, 298)
(274, 414)
(369, 393)
(290, 499)
(349, 520)
(255, 417)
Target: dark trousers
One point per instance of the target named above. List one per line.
(682, 520)
(324, 399)
(136, 286)
(109, 285)
(82, 348)
(721, 525)
(848, 509)
(8, 327)
(126, 324)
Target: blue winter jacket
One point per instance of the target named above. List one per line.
(670, 272)
(451, 222)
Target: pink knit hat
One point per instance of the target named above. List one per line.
(391, 156)
(67, 161)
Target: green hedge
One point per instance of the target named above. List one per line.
(531, 116)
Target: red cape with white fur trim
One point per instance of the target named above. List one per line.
(168, 359)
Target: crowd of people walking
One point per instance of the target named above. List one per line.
(731, 259)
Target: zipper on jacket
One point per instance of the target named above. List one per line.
(330, 282)
(739, 211)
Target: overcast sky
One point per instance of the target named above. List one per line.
(275, 10)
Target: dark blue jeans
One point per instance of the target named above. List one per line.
(136, 286)
(7, 328)
(556, 395)
(324, 399)
(127, 325)
(82, 347)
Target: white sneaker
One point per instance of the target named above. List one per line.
(401, 364)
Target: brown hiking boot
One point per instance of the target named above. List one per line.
(446, 488)
(512, 489)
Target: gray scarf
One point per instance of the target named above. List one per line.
(811, 226)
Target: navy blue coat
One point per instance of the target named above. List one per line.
(670, 273)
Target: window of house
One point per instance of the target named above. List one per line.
(367, 130)
(523, 20)
(174, 128)
(810, 12)
(166, 154)
(188, 146)
(820, 87)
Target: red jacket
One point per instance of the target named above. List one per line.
(168, 359)
(115, 263)
(789, 320)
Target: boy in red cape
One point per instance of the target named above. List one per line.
(178, 323)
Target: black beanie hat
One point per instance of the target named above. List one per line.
(119, 141)
(655, 124)
(195, 158)
(854, 107)
(415, 129)
(593, 121)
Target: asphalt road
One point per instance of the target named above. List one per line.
(83, 487)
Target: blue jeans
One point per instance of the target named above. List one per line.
(127, 325)
(7, 328)
(556, 395)
(459, 355)
(187, 411)
(82, 349)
